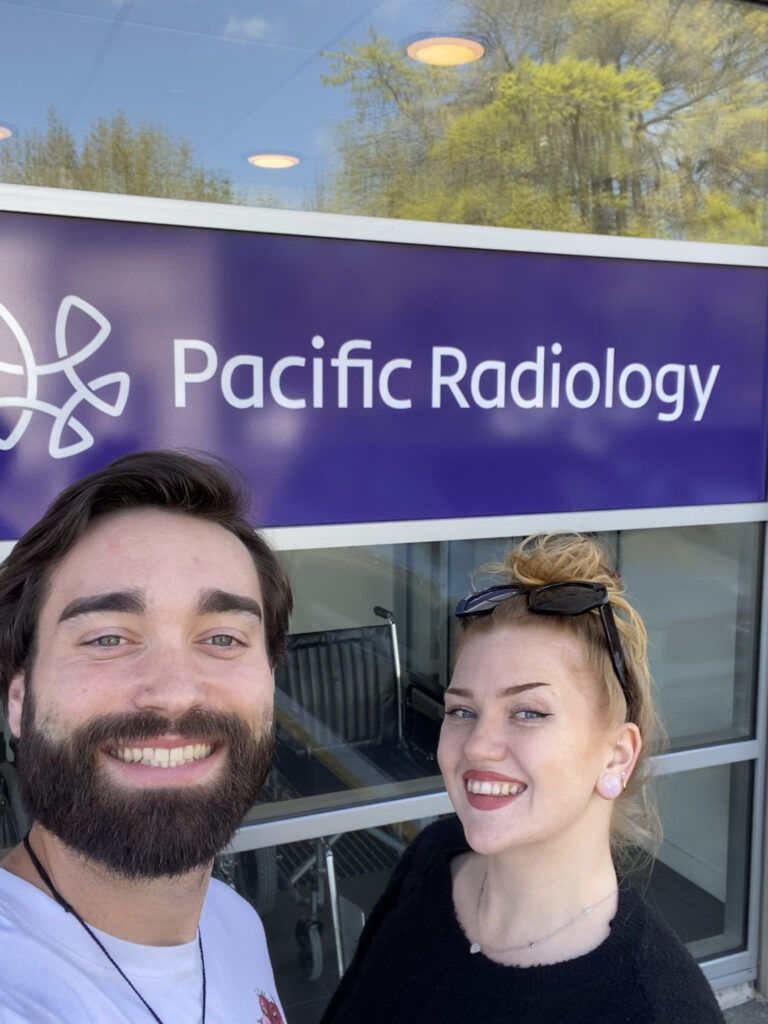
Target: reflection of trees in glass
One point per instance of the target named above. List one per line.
(115, 156)
(607, 116)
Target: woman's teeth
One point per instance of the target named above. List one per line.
(486, 788)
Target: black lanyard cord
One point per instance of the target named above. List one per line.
(46, 879)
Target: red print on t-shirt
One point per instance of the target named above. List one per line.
(269, 1008)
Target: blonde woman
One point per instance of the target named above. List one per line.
(513, 911)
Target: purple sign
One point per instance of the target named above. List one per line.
(360, 381)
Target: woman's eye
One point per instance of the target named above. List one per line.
(459, 713)
(529, 715)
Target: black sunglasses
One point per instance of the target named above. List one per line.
(574, 597)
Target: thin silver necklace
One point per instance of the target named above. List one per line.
(46, 879)
(478, 947)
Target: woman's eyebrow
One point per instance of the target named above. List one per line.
(508, 691)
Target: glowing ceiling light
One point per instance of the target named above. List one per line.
(445, 51)
(274, 161)
(5, 133)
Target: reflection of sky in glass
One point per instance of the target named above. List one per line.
(232, 81)
(565, 124)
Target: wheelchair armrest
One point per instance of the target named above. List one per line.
(422, 702)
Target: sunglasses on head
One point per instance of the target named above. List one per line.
(574, 597)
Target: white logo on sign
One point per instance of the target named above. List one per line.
(83, 391)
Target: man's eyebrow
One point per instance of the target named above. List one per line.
(215, 601)
(508, 691)
(130, 601)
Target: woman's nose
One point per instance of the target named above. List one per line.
(486, 740)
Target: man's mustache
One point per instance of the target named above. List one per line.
(196, 723)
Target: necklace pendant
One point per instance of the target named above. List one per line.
(475, 947)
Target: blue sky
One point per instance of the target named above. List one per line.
(234, 78)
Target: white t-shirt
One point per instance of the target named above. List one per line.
(51, 970)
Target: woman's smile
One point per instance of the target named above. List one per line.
(488, 791)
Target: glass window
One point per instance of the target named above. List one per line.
(697, 590)
(354, 709)
(359, 703)
(313, 897)
(613, 118)
(700, 878)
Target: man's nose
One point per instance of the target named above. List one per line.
(170, 679)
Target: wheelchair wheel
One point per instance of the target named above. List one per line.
(256, 878)
(310, 943)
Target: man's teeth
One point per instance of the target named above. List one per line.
(486, 788)
(162, 757)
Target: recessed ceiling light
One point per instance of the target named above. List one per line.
(274, 161)
(445, 51)
(5, 133)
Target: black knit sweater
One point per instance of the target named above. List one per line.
(413, 963)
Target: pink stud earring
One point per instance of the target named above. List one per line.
(609, 786)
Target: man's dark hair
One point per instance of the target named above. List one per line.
(175, 481)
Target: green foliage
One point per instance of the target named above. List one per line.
(397, 115)
(606, 116)
(115, 156)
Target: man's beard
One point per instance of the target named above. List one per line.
(140, 832)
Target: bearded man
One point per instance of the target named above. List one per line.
(139, 622)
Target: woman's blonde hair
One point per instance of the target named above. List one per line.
(561, 557)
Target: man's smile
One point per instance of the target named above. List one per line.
(162, 757)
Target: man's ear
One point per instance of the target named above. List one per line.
(16, 693)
